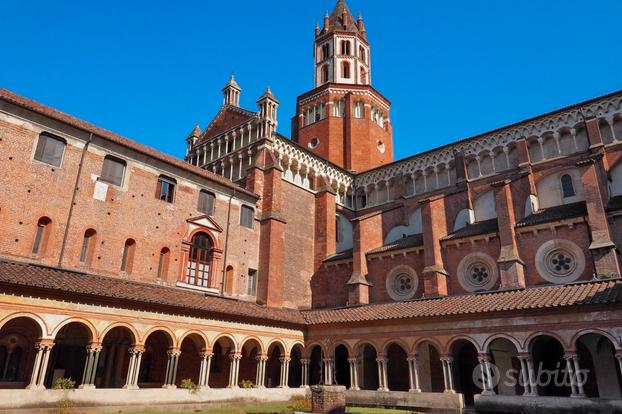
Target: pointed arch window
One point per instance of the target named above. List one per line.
(325, 51)
(345, 70)
(567, 186)
(127, 261)
(345, 47)
(199, 260)
(362, 54)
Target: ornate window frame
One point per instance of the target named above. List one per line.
(546, 262)
(407, 290)
(477, 262)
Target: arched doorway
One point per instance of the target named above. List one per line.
(315, 366)
(273, 365)
(504, 356)
(548, 362)
(367, 367)
(68, 355)
(220, 367)
(189, 364)
(429, 367)
(115, 358)
(17, 351)
(342, 366)
(295, 367)
(599, 369)
(199, 268)
(397, 368)
(464, 364)
(154, 361)
(251, 350)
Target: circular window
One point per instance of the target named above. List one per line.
(380, 146)
(313, 143)
(402, 283)
(560, 261)
(477, 272)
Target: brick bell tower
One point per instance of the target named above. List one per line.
(344, 119)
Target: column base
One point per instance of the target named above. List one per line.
(304, 386)
(450, 391)
(233, 386)
(35, 387)
(383, 389)
(204, 387)
(578, 396)
(488, 392)
(283, 386)
(130, 387)
(169, 386)
(87, 387)
(414, 390)
(354, 389)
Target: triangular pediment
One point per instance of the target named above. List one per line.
(205, 222)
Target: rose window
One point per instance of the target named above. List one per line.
(477, 272)
(560, 261)
(480, 274)
(402, 283)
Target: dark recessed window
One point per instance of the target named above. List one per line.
(206, 202)
(247, 216)
(113, 170)
(166, 189)
(127, 261)
(41, 235)
(165, 255)
(251, 286)
(50, 150)
(88, 244)
(567, 186)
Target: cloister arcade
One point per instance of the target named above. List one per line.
(543, 364)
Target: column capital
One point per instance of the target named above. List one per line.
(173, 353)
(523, 355)
(135, 350)
(483, 357)
(353, 360)
(447, 359)
(262, 358)
(206, 355)
(236, 355)
(285, 359)
(307, 361)
(382, 360)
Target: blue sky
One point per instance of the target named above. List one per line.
(151, 70)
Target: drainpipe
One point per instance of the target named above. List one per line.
(73, 200)
(224, 259)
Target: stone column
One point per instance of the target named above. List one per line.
(133, 369)
(413, 374)
(305, 372)
(524, 371)
(171, 369)
(90, 366)
(448, 374)
(328, 371)
(234, 370)
(206, 362)
(573, 379)
(531, 388)
(486, 372)
(284, 372)
(382, 374)
(260, 379)
(580, 379)
(39, 368)
(354, 374)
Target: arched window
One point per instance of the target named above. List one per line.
(229, 277)
(363, 75)
(345, 47)
(362, 54)
(345, 70)
(41, 236)
(324, 73)
(567, 186)
(325, 51)
(127, 261)
(359, 109)
(165, 255)
(199, 260)
(88, 245)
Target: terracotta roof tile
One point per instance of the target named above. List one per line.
(547, 215)
(345, 255)
(126, 142)
(215, 307)
(403, 243)
(475, 229)
(585, 293)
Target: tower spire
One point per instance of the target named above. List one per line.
(231, 92)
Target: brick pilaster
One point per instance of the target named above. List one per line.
(434, 228)
(367, 235)
(511, 267)
(606, 261)
(325, 222)
(264, 178)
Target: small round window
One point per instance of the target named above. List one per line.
(313, 143)
(560, 261)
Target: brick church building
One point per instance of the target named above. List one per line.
(288, 262)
